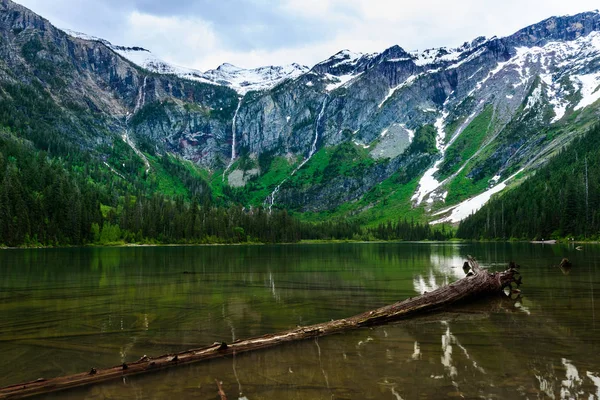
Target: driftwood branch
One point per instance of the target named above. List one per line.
(477, 283)
(222, 394)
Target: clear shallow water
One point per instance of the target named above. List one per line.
(63, 311)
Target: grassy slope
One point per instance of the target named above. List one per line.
(389, 199)
(463, 187)
(460, 154)
(165, 183)
(467, 144)
(560, 201)
(346, 159)
(386, 201)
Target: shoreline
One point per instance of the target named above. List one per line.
(303, 242)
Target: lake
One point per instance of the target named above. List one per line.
(64, 311)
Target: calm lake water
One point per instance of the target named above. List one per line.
(66, 310)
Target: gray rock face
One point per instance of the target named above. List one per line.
(566, 28)
(393, 142)
(534, 80)
(450, 88)
(172, 113)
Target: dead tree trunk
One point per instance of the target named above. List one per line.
(477, 283)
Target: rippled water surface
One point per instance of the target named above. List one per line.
(66, 310)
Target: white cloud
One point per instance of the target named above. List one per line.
(331, 9)
(173, 34)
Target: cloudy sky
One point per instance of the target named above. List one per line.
(205, 33)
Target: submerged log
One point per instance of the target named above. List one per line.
(477, 283)
(221, 392)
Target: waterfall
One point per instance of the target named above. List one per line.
(141, 100)
(141, 96)
(233, 139)
(270, 200)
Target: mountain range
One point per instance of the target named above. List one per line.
(430, 135)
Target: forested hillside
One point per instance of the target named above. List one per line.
(57, 201)
(562, 200)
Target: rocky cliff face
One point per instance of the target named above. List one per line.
(492, 107)
(87, 75)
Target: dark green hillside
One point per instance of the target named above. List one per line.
(561, 200)
(54, 201)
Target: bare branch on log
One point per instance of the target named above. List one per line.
(477, 283)
(221, 391)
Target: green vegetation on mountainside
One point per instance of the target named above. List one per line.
(346, 159)
(467, 144)
(388, 200)
(51, 201)
(425, 141)
(562, 199)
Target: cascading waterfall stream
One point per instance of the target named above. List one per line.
(270, 200)
(141, 96)
(141, 100)
(233, 137)
(313, 148)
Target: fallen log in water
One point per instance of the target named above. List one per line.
(221, 392)
(477, 283)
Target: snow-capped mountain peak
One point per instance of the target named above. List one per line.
(240, 79)
(343, 63)
(441, 55)
(262, 78)
(228, 68)
(487, 106)
(343, 57)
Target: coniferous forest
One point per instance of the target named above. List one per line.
(562, 200)
(55, 201)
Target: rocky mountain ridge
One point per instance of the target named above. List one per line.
(240, 79)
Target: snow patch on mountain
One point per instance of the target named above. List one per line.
(428, 183)
(551, 63)
(340, 81)
(409, 81)
(556, 97)
(262, 78)
(149, 61)
(434, 56)
(342, 58)
(535, 98)
(411, 133)
(343, 65)
(467, 52)
(466, 208)
(84, 36)
(489, 76)
(364, 146)
(589, 89)
(240, 79)
(469, 58)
